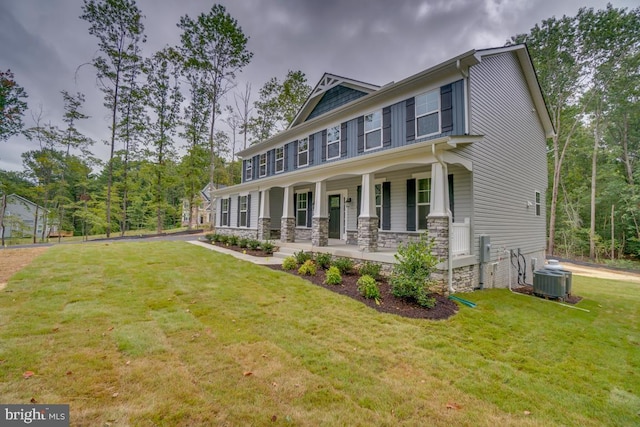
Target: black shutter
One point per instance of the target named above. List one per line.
(386, 206)
(248, 210)
(359, 204)
(256, 167)
(285, 157)
(271, 162)
(244, 170)
(238, 213)
(220, 222)
(411, 205)
(450, 182)
(411, 119)
(360, 134)
(295, 154)
(309, 208)
(446, 108)
(311, 147)
(324, 145)
(386, 127)
(343, 139)
(295, 207)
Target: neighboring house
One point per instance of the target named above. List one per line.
(20, 216)
(201, 211)
(458, 150)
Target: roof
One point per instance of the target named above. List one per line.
(26, 201)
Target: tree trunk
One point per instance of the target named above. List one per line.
(35, 225)
(594, 166)
(3, 207)
(212, 158)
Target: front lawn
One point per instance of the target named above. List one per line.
(167, 333)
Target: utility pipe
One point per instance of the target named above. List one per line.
(508, 251)
(448, 212)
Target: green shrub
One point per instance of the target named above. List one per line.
(233, 240)
(323, 260)
(289, 263)
(411, 278)
(253, 244)
(302, 257)
(333, 276)
(368, 287)
(211, 237)
(369, 268)
(308, 268)
(242, 242)
(267, 246)
(223, 238)
(345, 265)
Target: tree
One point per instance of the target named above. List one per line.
(215, 46)
(244, 111)
(163, 97)
(118, 26)
(12, 106)
(278, 105)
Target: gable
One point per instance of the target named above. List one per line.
(335, 97)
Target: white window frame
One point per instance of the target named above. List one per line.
(248, 170)
(333, 141)
(418, 203)
(243, 208)
(427, 111)
(279, 160)
(538, 203)
(368, 130)
(305, 210)
(224, 219)
(262, 165)
(306, 150)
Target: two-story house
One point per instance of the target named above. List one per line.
(458, 150)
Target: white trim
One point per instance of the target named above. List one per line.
(372, 130)
(334, 142)
(275, 159)
(248, 161)
(266, 165)
(438, 111)
(306, 139)
(421, 175)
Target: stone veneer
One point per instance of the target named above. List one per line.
(319, 231)
(288, 230)
(264, 228)
(368, 234)
(438, 229)
(247, 233)
(303, 233)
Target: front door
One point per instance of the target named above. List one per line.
(334, 216)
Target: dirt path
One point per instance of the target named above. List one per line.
(601, 273)
(14, 260)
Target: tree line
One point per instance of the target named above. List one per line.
(171, 101)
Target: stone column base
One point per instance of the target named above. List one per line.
(368, 234)
(288, 229)
(438, 229)
(320, 231)
(264, 228)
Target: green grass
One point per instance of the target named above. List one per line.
(166, 333)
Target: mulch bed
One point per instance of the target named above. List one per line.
(443, 309)
(252, 252)
(528, 290)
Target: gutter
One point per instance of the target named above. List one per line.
(448, 211)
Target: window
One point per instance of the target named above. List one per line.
(373, 131)
(538, 204)
(301, 209)
(424, 201)
(333, 142)
(243, 211)
(248, 170)
(263, 164)
(428, 113)
(224, 209)
(379, 204)
(279, 159)
(303, 152)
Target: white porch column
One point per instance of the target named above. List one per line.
(368, 220)
(320, 219)
(439, 190)
(288, 221)
(368, 202)
(265, 211)
(264, 217)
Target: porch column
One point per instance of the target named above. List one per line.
(368, 220)
(438, 218)
(320, 219)
(264, 218)
(288, 221)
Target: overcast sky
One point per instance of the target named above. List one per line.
(44, 43)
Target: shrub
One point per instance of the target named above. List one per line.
(302, 257)
(289, 263)
(308, 268)
(370, 269)
(223, 238)
(253, 244)
(242, 242)
(333, 276)
(411, 277)
(233, 240)
(323, 260)
(211, 237)
(267, 247)
(368, 287)
(345, 265)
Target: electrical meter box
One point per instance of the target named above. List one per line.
(485, 249)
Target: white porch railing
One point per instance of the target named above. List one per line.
(461, 238)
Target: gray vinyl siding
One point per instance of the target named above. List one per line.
(254, 209)
(462, 197)
(333, 98)
(510, 164)
(398, 124)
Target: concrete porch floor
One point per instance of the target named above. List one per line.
(337, 248)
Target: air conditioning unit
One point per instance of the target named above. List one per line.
(551, 283)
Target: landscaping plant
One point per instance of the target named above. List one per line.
(333, 276)
(302, 257)
(233, 240)
(323, 260)
(308, 268)
(345, 265)
(289, 263)
(253, 244)
(368, 287)
(369, 268)
(411, 276)
(242, 242)
(267, 246)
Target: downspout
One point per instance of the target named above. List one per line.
(448, 211)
